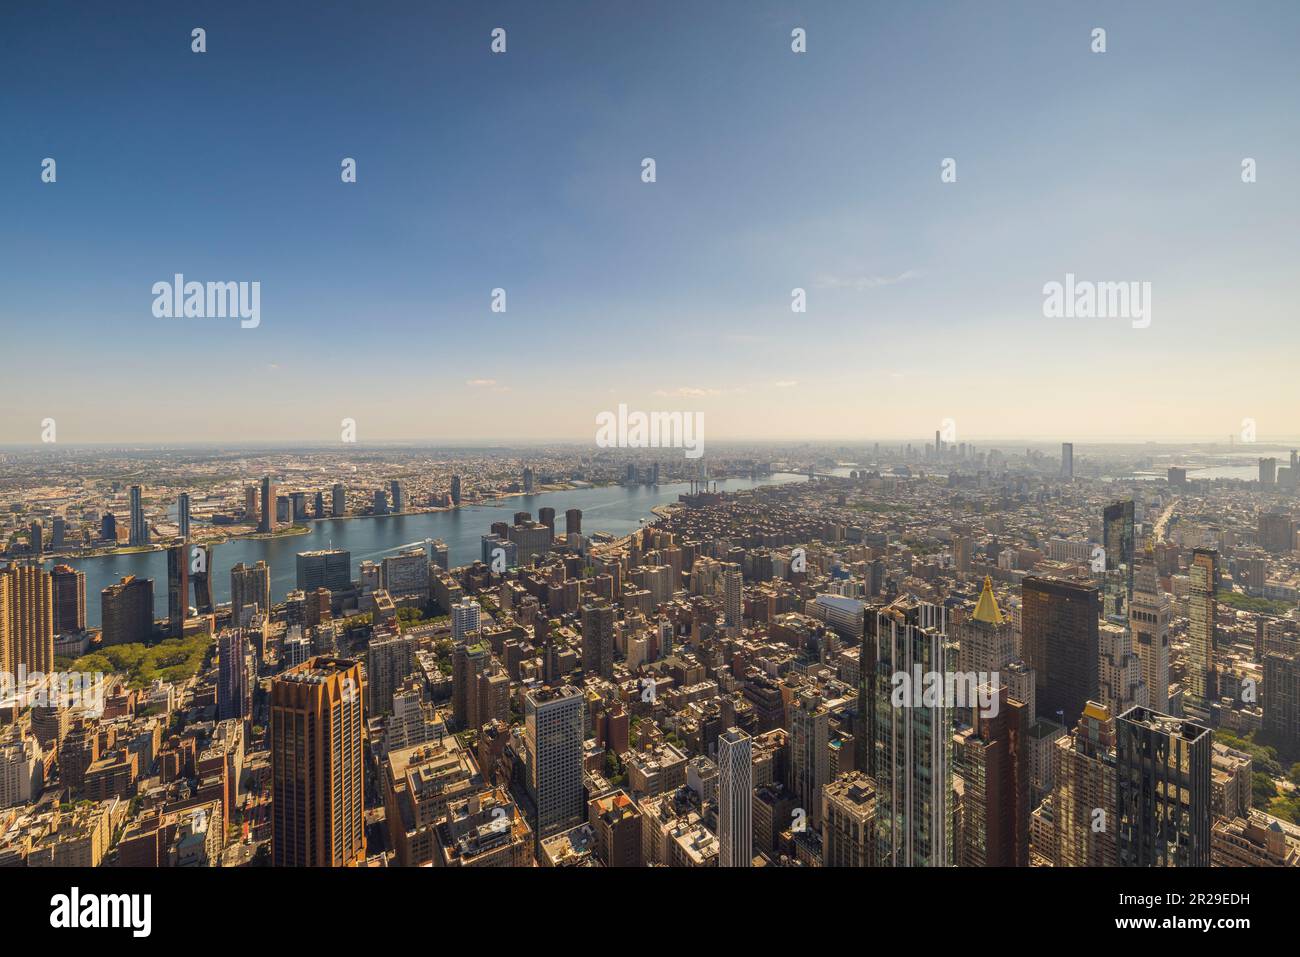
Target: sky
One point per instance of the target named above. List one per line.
(522, 171)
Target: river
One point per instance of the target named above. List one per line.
(615, 509)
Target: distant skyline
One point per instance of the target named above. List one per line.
(774, 170)
(1186, 444)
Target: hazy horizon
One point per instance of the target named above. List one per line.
(506, 443)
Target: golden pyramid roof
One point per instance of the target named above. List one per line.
(986, 609)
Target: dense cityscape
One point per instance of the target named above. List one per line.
(848, 444)
(896, 654)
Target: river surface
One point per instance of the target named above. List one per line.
(615, 509)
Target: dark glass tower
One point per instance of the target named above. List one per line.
(1163, 790)
(1117, 539)
(200, 569)
(1059, 639)
(178, 589)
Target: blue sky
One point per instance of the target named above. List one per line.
(522, 171)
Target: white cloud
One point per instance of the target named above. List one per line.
(688, 392)
(865, 282)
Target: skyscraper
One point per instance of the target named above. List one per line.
(455, 490)
(528, 480)
(961, 553)
(1149, 623)
(465, 617)
(994, 767)
(1282, 694)
(269, 495)
(250, 585)
(338, 500)
(69, 599)
(553, 735)
(986, 641)
(1059, 638)
(139, 527)
(325, 568)
(913, 742)
(809, 754)
(200, 577)
(126, 611)
(849, 821)
(1276, 531)
(469, 659)
(317, 789)
(1163, 790)
(1119, 669)
(6, 625)
(573, 521)
(732, 591)
(1067, 460)
(183, 514)
(30, 618)
(388, 662)
(1117, 540)
(398, 492)
(178, 589)
(532, 539)
(233, 697)
(735, 799)
(1084, 802)
(1203, 578)
(406, 575)
(598, 639)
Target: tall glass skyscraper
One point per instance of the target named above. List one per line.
(735, 799)
(912, 743)
(178, 589)
(139, 527)
(1203, 575)
(1059, 639)
(1117, 539)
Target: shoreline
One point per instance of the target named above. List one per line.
(300, 530)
